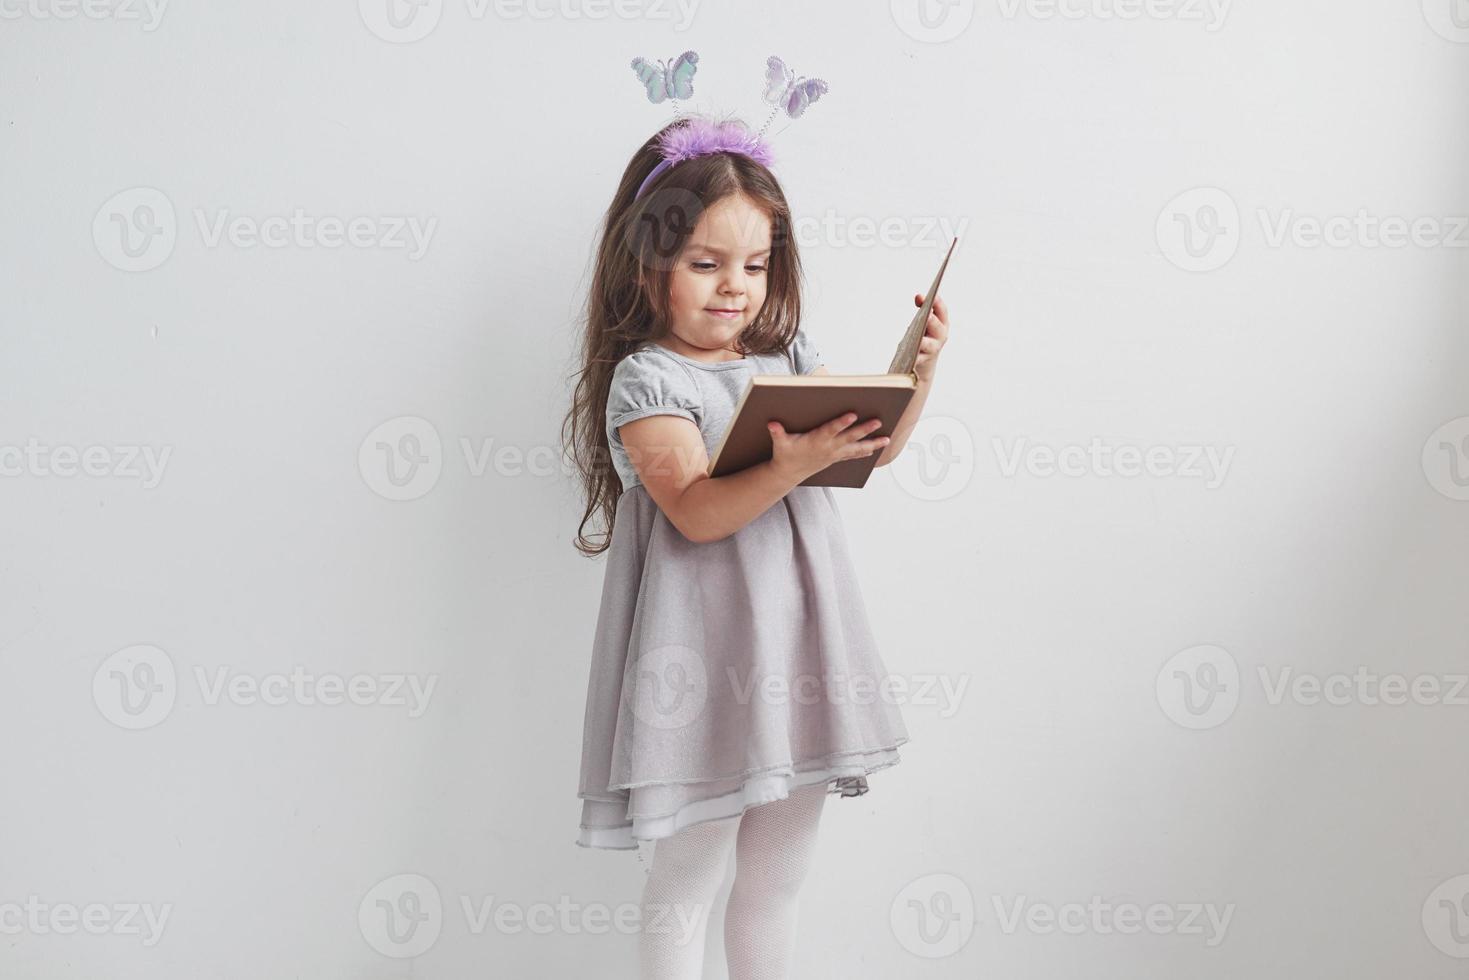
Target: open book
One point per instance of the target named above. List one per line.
(802, 402)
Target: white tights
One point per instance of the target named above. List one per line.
(772, 843)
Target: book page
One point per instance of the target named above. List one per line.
(907, 354)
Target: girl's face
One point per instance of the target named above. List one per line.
(722, 267)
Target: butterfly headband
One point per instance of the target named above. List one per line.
(703, 135)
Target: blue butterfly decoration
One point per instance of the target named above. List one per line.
(665, 81)
(784, 90)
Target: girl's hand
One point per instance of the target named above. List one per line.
(802, 454)
(933, 338)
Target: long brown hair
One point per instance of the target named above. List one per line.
(629, 304)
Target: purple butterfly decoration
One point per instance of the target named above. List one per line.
(664, 80)
(784, 90)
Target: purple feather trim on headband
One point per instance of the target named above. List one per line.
(704, 136)
(701, 137)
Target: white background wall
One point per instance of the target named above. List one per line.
(1076, 613)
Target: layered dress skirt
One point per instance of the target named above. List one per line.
(727, 673)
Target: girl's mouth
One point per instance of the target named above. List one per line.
(726, 314)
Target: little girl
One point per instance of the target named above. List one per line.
(735, 681)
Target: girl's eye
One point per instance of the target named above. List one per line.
(705, 266)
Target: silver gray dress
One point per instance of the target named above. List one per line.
(728, 673)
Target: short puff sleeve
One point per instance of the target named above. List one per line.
(804, 355)
(646, 382)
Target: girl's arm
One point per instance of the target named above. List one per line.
(669, 456)
(671, 460)
(906, 422)
(934, 336)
